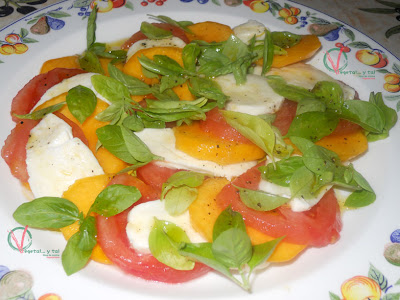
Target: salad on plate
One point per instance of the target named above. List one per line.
(190, 148)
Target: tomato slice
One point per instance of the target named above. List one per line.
(317, 227)
(138, 36)
(216, 125)
(31, 93)
(115, 244)
(155, 175)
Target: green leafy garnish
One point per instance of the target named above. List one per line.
(81, 102)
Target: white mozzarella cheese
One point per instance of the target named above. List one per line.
(67, 84)
(161, 142)
(255, 97)
(296, 204)
(55, 159)
(307, 76)
(141, 221)
(147, 43)
(246, 31)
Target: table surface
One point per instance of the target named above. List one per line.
(375, 23)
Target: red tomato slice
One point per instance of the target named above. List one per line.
(31, 93)
(317, 227)
(138, 36)
(115, 244)
(154, 175)
(216, 125)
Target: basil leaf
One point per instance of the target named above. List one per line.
(232, 248)
(268, 53)
(309, 105)
(254, 128)
(178, 200)
(164, 241)
(134, 85)
(169, 82)
(39, 114)
(47, 212)
(202, 252)
(110, 88)
(182, 178)
(285, 39)
(149, 122)
(329, 93)
(283, 170)
(390, 117)
(100, 49)
(91, 63)
(81, 102)
(262, 252)
(234, 48)
(111, 114)
(291, 92)
(91, 28)
(154, 32)
(204, 87)
(260, 200)
(313, 125)
(160, 68)
(361, 181)
(181, 24)
(133, 123)
(189, 56)
(227, 219)
(136, 147)
(301, 183)
(112, 139)
(88, 234)
(115, 199)
(74, 258)
(320, 160)
(360, 199)
(365, 114)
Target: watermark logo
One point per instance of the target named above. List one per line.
(20, 239)
(335, 60)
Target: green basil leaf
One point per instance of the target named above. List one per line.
(254, 128)
(167, 62)
(268, 53)
(136, 147)
(202, 252)
(164, 240)
(158, 68)
(150, 122)
(320, 160)
(232, 248)
(91, 63)
(115, 199)
(110, 88)
(74, 258)
(169, 82)
(361, 181)
(204, 87)
(178, 199)
(260, 200)
(189, 56)
(88, 234)
(153, 32)
(301, 183)
(134, 85)
(227, 219)
(283, 170)
(360, 199)
(167, 94)
(112, 139)
(309, 105)
(182, 178)
(81, 102)
(285, 39)
(390, 116)
(313, 125)
(365, 114)
(39, 114)
(111, 114)
(329, 93)
(47, 212)
(262, 252)
(291, 92)
(181, 24)
(91, 28)
(234, 48)
(133, 123)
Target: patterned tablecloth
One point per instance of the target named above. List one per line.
(378, 19)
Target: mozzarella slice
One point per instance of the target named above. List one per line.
(141, 221)
(246, 31)
(55, 159)
(296, 204)
(255, 97)
(147, 43)
(307, 76)
(161, 142)
(67, 84)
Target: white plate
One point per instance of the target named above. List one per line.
(317, 272)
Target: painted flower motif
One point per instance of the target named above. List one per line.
(290, 14)
(13, 44)
(361, 288)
